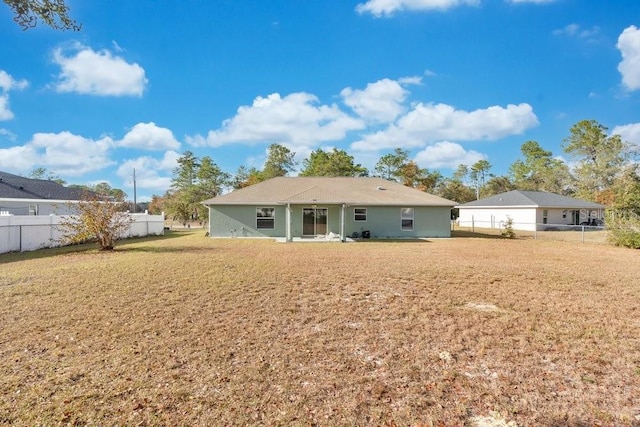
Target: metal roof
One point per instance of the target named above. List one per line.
(541, 199)
(329, 190)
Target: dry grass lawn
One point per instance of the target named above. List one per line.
(186, 330)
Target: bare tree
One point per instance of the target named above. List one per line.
(96, 220)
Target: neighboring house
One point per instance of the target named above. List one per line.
(340, 207)
(529, 210)
(25, 196)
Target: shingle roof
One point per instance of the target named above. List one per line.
(534, 199)
(329, 190)
(18, 187)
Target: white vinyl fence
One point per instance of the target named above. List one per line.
(21, 233)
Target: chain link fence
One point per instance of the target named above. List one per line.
(597, 234)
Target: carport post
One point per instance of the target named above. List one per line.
(342, 217)
(288, 224)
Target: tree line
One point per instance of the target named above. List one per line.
(602, 169)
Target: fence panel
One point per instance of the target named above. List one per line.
(23, 233)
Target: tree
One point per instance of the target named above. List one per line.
(332, 163)
(156, 206)
(193, 181)
(185, 175)
(44, 174)
(599, 158)
(414, 176)
(108, 193)
(478, 174)
(245, 177)
(390, 165)
(96, 220)
(454, 189)
(496, 185)
(279, 162)
(54, 13)
(210, 182)
(540, 171)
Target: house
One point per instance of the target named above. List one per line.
(529, 210)
(339, 207)
(25, 196)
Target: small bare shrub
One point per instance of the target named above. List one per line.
(508, 231)
(96, 220)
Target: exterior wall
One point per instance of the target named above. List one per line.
(523, 218)
(26, 207)
(385, 222)
(240, 221)
(382, 222)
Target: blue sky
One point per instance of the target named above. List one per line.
(452, 81)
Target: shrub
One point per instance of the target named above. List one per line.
(624, 229)
(508, 231)
(96, 220)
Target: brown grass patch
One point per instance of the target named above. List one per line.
(195, 331)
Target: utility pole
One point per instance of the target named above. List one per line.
(135, 201)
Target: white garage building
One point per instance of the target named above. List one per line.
(529, 211)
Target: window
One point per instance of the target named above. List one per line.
(360, 214)
(33, 209)
(545, 216)
(407, 219)
(265, 218)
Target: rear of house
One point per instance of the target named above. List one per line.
(341, 207)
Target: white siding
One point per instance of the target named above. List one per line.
(523, 218)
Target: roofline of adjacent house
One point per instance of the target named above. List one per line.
(530, 206)
(6, 199)
(320, 202)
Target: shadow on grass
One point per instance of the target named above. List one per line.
(475, 234)
(121, 246)
(399, 240)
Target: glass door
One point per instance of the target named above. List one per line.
(314, 221)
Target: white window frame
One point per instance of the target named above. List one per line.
(545, 216)
(404, 217)
(261, 220)
(357, 214)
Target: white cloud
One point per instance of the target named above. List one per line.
(629, 133)
(574, 30)
(149, 136)
(8, 134)
(5, 112)
(151, 174)
(447, 154)
(18, 159)
(381, 101)
(387, 7)
(629, 45)
(296, 119)
(8, 83)
(88, 72)
(70, 155)
(428, 123)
